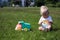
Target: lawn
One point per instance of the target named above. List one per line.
(9, 17)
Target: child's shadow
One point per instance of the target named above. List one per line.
(55, 29)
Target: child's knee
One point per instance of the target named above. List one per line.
(49, 27)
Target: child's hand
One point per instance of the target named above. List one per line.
(40, 23)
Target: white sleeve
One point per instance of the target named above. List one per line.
(50, 19)
(40, 20)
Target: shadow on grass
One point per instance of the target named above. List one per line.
(56, 29)
(53, 29)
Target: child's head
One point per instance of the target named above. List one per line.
(44, 11)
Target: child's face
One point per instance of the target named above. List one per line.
(45, 14)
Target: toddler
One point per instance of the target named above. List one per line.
(45, 21)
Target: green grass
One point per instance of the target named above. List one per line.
(9, 17)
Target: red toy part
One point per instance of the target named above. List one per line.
(18, 27)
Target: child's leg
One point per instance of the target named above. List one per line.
(49, 27)
(41, 28)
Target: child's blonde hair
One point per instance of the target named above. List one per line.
(43, 9)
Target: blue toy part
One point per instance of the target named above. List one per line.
(21, 22)
(25, 25)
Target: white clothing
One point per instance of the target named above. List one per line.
(42, 19)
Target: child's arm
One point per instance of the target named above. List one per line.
(50, 20)
(40, 21)
(50, 23)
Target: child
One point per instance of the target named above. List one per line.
(45, 20)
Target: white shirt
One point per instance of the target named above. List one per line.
(42, 19)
